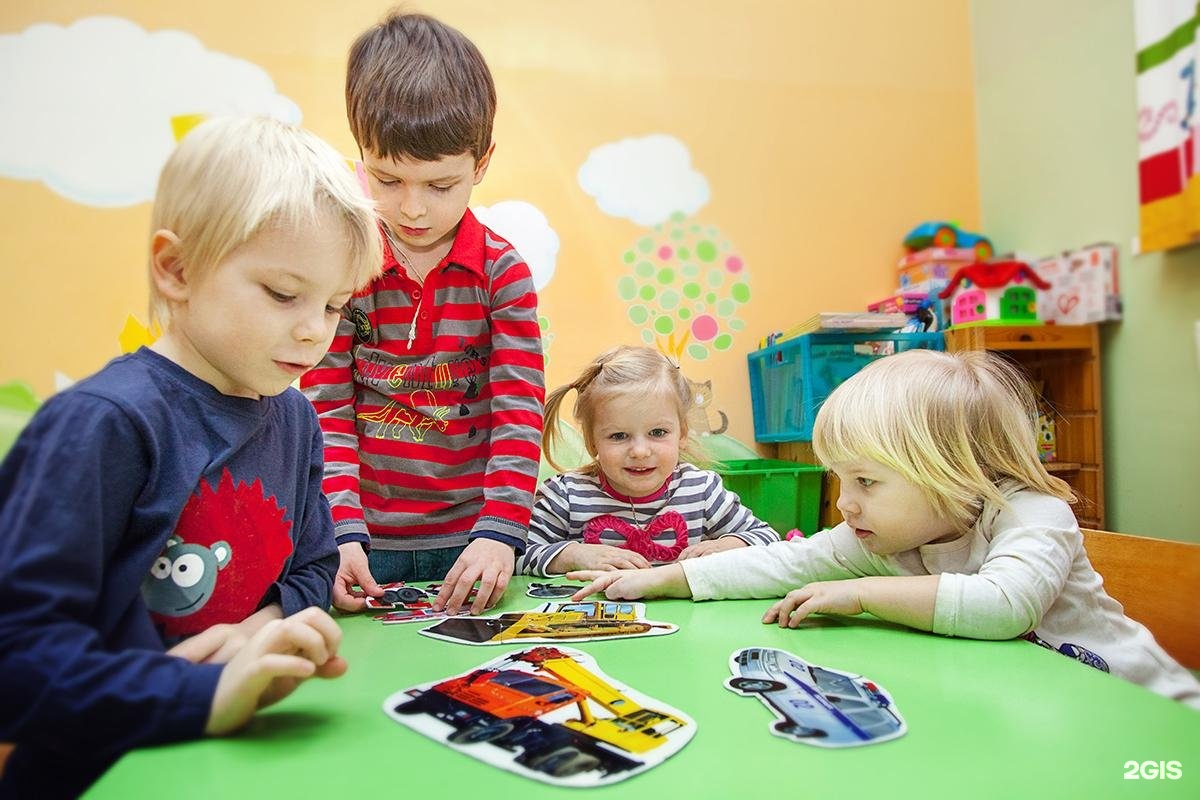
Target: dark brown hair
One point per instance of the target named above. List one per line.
(417, 88)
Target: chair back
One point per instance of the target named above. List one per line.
(1157, 581)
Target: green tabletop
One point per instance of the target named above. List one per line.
(985, 719)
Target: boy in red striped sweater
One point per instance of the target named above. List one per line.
(430, 398)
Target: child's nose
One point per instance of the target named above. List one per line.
(311, 327)
(411, 206)
(846, 504)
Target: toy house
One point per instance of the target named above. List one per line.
(999, 293)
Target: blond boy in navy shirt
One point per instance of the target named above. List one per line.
(173, 500)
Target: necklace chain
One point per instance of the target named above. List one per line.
(403, 257)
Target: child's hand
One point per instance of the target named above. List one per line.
(485, 560)
(580, 556)
(353, 570)
(709, 546)
(218, 644)
(281, 655)
(633, 584)
(827, 597)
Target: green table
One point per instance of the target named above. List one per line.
(985, 719)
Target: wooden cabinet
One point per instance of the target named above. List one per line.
(1065, 361)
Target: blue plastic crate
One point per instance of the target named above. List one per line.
(790, 380)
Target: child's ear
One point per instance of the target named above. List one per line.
(166, 266)
(481, 166)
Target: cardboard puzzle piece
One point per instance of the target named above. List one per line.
(553, 622)
(405, 603)
(547, 591)
(547, 713)
(813, 704)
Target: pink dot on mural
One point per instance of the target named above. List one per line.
(704, 328)
(665, 252)
(733, 264)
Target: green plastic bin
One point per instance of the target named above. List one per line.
(784, 494)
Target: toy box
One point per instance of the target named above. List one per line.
(783, 494)
(790, 380)
(925, 310)
(1083, 286)
(932, 265)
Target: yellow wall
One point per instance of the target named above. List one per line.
(824, 130)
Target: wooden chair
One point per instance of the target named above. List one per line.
(1156, 580)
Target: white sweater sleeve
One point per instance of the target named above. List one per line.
(776, 569)
(1022, 575)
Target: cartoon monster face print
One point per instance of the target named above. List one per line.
(183, 576)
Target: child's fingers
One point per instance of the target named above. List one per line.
(345, 598)
(292, 637)
(583, 574)
(461, 589)
(801, 612)
(311, 634)
(600, 582)
(487, 588)
(335, 667)
(449, 587)
(323, 624)
(200, 647)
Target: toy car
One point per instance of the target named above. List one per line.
(947, 234)
(815, 704)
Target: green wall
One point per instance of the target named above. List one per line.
(1056, 106)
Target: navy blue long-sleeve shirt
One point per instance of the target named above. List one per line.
(137, 508)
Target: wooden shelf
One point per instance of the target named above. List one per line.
(1065, 359)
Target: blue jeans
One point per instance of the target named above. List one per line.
(412, 565)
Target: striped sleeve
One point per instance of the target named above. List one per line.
(725, 515)
(517, 383)
(330, 388)
(549, 528)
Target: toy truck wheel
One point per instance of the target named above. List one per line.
(565, 762)
(944, 236)
(409, 594)
(417, 705)
(983, 250)
(792, 729)
(754, 685)
(481, 732)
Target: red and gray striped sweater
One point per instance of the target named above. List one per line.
(430, 401)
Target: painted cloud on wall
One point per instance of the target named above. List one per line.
(527, 229)
(645, 179)
(88, 107)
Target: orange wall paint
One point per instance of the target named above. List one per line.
(824, 131)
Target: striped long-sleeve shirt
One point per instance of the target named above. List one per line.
(430, 401)
(575, 507)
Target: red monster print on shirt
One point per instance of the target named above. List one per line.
(230, 544)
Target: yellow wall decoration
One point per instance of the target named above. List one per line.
(822, 132)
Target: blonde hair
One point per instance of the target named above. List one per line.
(962, 427)
(621, 371)
(230, 178)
